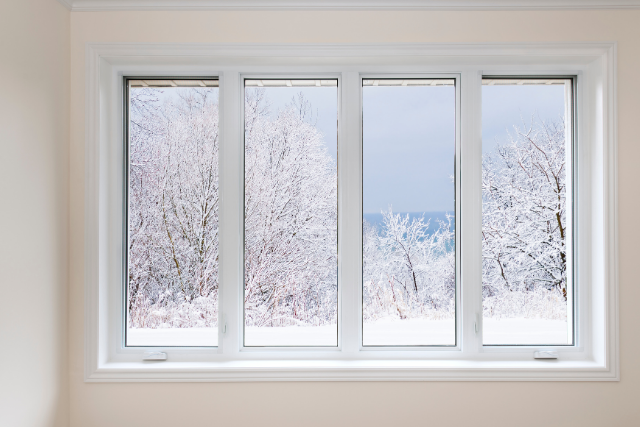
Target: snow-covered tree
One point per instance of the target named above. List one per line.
(524, 225)
(173, 208)
(407, 271)
(290, 218)
(290, 270)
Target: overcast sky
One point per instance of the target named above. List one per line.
(324, 103)
(408, 148)
(504, 107)
(409, 135)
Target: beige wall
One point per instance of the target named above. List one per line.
(34, 152)
(350, 403)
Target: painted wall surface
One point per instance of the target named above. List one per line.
(520, 404)
(34, 152)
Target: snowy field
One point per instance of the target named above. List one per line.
(383, 332)
(409, 332)
(196, 337)
(526, 331)
(442, 332)
(292, 335)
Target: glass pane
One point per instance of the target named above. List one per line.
(172, 297)
(526, 228)
(409, 246)
(290, 264)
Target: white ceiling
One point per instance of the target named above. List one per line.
(103, 5)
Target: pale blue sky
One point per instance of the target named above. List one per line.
(408, 148)
(409, 135)
(324, 103)
(504, 107)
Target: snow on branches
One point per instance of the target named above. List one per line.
(290, 219)
(524, 224)
(290, 269)
(407, 271)
(173, 209)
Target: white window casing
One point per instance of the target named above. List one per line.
(594, 355)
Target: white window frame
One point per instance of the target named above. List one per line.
(595, 353)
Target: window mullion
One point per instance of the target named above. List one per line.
(350, 213)
(471, 217)
(231, 187)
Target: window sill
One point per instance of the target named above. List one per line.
(361, 370)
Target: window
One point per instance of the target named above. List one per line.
(172, 245)
(386, 217)
(527, 225)
(291, 213)
(409, 194)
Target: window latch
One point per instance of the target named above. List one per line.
(545, 354)
(154, 356)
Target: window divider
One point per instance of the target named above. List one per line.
(350, 213)
(470, 163)
(231, 189)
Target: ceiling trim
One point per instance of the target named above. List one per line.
(151, 5)
(67, 3)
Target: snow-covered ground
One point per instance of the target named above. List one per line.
(196, 337)
(382, 332)
(409, 332)
(526, 331)
(442, 332)
(292, 335)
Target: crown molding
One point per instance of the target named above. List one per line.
(68, 4)
(185, 5)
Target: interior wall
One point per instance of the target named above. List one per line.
(378, 403)
(34, 143)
